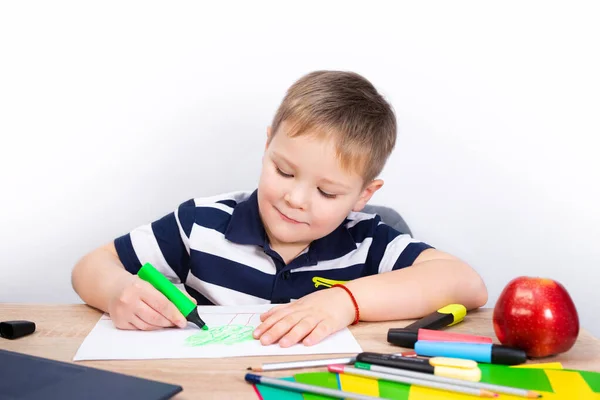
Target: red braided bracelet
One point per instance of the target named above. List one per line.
(356, 310)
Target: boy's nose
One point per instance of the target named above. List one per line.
(296, 198)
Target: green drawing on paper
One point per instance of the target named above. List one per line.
(225, 334)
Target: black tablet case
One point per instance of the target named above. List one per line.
(25, 377)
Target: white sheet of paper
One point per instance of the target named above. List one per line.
(105, 342)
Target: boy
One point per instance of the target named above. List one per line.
(300, 236)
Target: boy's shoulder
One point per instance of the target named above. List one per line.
(362, 225)
(213, 212)
(371, 224)
(230, 199)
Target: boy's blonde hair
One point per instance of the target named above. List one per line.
(346, 107)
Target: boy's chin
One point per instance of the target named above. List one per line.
(288, 237)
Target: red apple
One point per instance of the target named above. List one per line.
(536, 315)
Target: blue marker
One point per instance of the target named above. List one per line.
(481, 352)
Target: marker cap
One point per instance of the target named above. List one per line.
(458, 312)
(16, 329)
(402, 337)
(507, 355)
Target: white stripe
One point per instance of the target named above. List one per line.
(147, 250)
(393, 251)
(184, 238)
(239, 309)
(218, 206)
(357, 217)
(358, 256)
(222, 296)
(235, 196)
(213, 242)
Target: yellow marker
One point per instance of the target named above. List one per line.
(452, 362)
(456, 368)
(449, 315)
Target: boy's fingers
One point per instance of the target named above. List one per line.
(298, 332)
(151, 316)
(162, 305)
(124, 326)
(320, 332)
(141, 325)
(271, 320)
(267, 314)
(280, 328)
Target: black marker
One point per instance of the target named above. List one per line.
(393, 361)
(447, 367)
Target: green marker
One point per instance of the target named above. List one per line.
(176, 296)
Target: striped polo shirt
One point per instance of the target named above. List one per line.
(217, 248)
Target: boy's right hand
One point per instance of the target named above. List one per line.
(138, 305)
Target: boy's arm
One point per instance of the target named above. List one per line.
(100, 276)
(106, 278)
(100, 279)
(434, 280)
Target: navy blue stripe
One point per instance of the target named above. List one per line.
(410, 254)
(301, 283)
(186, 214)
(364, 229)
(340, 274)
(229, 203)
(166, 232)
(212, 218)
(383, 236)
(232, 275)
(200, 298)
(335, 245)
(126, 254)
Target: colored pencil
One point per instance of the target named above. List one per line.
(304, 388)
(302, 364)
(476, 385)
(412, 381)
(322, 362)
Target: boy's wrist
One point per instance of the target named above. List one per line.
(352, 301)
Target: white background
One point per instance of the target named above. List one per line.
(113, 113)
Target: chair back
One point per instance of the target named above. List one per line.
(389, 216)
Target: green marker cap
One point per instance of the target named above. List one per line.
(172, 292)
(362, 365)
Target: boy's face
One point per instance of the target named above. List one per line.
(303, 192)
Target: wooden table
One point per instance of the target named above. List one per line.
(62, 328)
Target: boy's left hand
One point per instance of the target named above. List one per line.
(308, 320)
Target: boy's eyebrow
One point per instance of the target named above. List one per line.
(330, 182)
(324, 180)
(285, 159)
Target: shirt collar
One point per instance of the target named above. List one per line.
(335, 245)
(246, 227)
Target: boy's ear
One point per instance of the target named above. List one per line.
(367, 193)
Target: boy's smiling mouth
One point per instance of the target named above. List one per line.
(286, 218)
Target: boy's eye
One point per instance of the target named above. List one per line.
(327, 195)
(280, 172)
